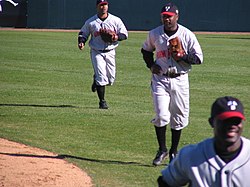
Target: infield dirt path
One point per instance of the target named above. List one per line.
(24, 166)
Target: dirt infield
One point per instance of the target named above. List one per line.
(24, 166)
(76, 31)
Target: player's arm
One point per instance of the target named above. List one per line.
(121, 36)
(176, 173)
(194, 55)
(148, 57)
(81, 40)
(191, 59)
(122, 31)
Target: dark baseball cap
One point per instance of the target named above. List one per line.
(101, 2)
(169, 9)
(227, 107)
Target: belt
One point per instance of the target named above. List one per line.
(173, 75)
(105, 51)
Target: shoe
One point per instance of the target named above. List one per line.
(172, 156)
(160, 156)
(93, 87)
(103, 105)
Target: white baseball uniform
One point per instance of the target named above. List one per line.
(171, 95)
(199, 165)
(103, 54)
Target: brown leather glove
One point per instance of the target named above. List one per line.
(108, 36)
(176, 49)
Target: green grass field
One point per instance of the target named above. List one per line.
(46, 101)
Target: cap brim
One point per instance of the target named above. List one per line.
(231, 114)
(103, 3)
(168, 13)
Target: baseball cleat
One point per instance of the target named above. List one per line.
(172, 156)
(103, 105)
(160, 156)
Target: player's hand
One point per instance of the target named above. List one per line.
(156, 69)
(177, 56)
(81, 46)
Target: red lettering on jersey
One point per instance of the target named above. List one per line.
(161, 54)
(96, 33)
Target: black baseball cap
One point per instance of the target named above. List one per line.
(169, 9)
(102, 2)
(227, 107)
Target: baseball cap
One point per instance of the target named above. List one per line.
(169, 9)
(227, 107)
(102, 2)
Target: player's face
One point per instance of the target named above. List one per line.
(227, 132)
(102, 9)
(169, 22)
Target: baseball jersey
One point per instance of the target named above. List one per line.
(199, 164)
(92, 27)
(158, 41)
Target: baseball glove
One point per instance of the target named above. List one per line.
(176, 49)
(108, 36)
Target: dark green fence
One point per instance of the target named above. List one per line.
(198, 15)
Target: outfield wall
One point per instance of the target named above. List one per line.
(198, 15)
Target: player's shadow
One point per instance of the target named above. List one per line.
(63, 156)
(39, 105)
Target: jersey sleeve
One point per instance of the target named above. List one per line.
(194, 50)
(84, 33)
(175, 173)
(121, 28)
(148, 45)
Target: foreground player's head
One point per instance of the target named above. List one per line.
(226, 119)
(227, 107)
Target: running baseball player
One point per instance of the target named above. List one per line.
(175, 49)
(106, 31)
(223, 160)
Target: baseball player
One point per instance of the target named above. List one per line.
(10, 1)
(175, 49)
(223, 160)
(105, 30)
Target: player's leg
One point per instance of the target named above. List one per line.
(111, 66)
(162, 152)
(175, 139)
(93, 86)
(161, 102)
(100, 79)
(101, 95)
(179, 109)
(106, 68)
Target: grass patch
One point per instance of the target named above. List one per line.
(46, 101)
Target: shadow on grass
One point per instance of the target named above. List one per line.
(63, 156)
(36, 105)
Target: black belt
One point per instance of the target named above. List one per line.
(173, 75)
(105, 51)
